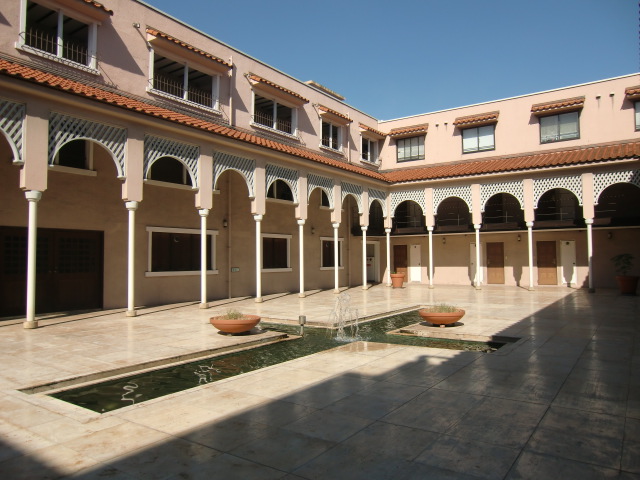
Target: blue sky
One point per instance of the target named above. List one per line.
(398, 58)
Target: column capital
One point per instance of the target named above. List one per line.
(203, 212)
(336, 225)
(33, 195)
(258, 217)
(387, 230)
(301, 221)
(588, 221)
(429, 229)
(364, 229)
(477, 226)
(529, 224)
(131, 205)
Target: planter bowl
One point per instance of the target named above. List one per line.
(628, 284)
(235, 325)
(397, 280)
(441, 318)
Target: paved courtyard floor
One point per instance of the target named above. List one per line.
(564, 402)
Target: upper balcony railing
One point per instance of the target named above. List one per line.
(50, 44)
(266, 120)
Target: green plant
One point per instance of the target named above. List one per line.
(623, 263)
(441, 308)
(233, 315)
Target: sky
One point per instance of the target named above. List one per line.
(393, 59)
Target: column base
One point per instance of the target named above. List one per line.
(531, 289)
(132, 313)
(302, 295)
(592, 290)
(336, 290)
(258, 299)
(204, 305)
(478, 287)
(388, 285)
(30, 325)
(366, 287)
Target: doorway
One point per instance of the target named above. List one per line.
(547, 263)
(400, 259)
(415, 264)
(373, 264)
(495, 263)
(568, 262)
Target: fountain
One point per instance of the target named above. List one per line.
(345, 319)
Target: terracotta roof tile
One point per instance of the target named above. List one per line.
(632, 93)
(478, 119)
(98, 6)
(158, 33)
(259, 79)
(322, 108)
(567, 104)
(394, 132)
(372, 130)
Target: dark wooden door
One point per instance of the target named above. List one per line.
(547, 263)
(495, 262)
(400, 259)
(69, 266)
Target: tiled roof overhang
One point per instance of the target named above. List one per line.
(22, 72)
(99, 6)
(476, 120)
(579, 156)
(558, 106)
(330, 114)
(406, 131)
(632, 93)
(371, 131)
(154, 33)
(257, 80)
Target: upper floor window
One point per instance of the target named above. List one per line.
(75, 154)
(411, 148)
(556, 128)
(169, 170)
(637, 108)
(276, 252)
(369, 150)
(279, 190)
(184, 82)
(327, 253)
(331, 136)
(53, 34)
(176, 251)
(478, 139)
(275, 115)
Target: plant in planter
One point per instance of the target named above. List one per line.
(234, 322)
(623, 263)
(397, 279)
(441, 314)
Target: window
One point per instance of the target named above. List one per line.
(54, 35)
(169, 170)
(637, 108)
(274, 115)
(176, 251)
(370, 150)
(75, 154)
(478, 139)
(410, 148)
(181, 81)
(324, 199)
(280, 190)
(275, 252)
(331, 136)
(327, 253)
(556, 128)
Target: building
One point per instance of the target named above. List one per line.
(143, 162)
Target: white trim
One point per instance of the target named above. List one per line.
(341, 253)
(177, 273)
(178, 186)
(276, 235)
(75, 171)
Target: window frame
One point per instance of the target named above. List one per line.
(410, 158)
(477, 137)
(278, 191)
(558, 115)
(373, 147)
(340, 253)
(184, 185)
(279, 269)
(636, 107)
(332, 126)
(179, 273)
(276, 102)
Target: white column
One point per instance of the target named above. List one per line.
(204, 212)
(131, 257)
(258, 219)
(530, 248)
(430, 230)
(33, 197)
(478, 282)
(364, 257)
(335, 257)
(387, 231)
(589, 222)
(301, 256)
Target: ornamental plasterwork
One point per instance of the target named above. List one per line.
(415, 195)
(157, 147)
(463, 192)
(63, 129)
(355, 190)
(604, 180)
(244, 166)
(11, 123)
(288, 175)
(543, 185)
(513, 188)
(324, 183)
(378, 195)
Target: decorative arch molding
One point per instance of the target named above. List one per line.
(11, 123)
(323, 183)
(157, 147)
(63, 129)
(490, 189)
(416, 195)
(543, 185)
(244, 166)
(288, 175)
(355, 190)
(440, 194)
(381, 197)
(603, 180)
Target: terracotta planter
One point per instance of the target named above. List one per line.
(235, 325)
(628, 284)
(441, 318)
(397, 280)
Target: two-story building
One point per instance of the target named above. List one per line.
(143, 162)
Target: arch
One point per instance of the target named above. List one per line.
(156, 148)
(618, 205)
(453, 214)
(286, 175)
(169, 172)
(233, 171)
(281, 190)
(11, 125)
(398, 197)
(376, 218)
(325, 183)
(355, 191)
(544, 185)
(503, 211)
(328, 193)
(558, 207)
(606, 179)
(441, 194)
(244, 166)
(380, 197)
(408, 217)
(356, 199)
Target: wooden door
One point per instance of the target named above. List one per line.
(400, 260)
(495, 262)
(547, 263)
